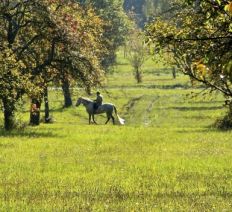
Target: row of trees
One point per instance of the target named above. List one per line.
(198, 34)
(52, 41)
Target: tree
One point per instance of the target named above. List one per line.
(199, 37)
(78, 58)
(85, 51)
(113, 36)
(137, 52)
(36, 37)
(17, 33)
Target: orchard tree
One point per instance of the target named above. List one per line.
(199, 36)
(113, 34)
(78, 52)
(82, 48)
(20, 24)
(37, 36)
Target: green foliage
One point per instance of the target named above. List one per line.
(199, 37)
(41, 41)
(115, 26)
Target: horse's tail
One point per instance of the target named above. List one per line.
(121, 121)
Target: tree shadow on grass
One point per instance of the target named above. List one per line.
(192, 108)
(174, 86)
(193, 195)
(55, 109)
(30, 133)
(207, 129)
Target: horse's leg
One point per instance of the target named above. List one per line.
(113, 119)
(94, 119)
(89, 118)
(108, 118)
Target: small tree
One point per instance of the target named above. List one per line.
(137, 52)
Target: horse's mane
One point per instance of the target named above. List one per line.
(87, 99)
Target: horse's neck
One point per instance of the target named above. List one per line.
(86, 102)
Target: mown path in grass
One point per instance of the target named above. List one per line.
(168, 156)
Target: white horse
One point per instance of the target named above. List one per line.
(104, 108)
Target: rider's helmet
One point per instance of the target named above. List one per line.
(98, 93)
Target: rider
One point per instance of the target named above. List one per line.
(98, 101)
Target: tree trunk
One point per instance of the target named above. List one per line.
(46, 106)
(138, 75)
(9, 118)
(174, 72)
(67, 95)
(88, 90)
(35, 112)
(125, 51)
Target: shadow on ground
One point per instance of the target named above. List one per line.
(31, 133)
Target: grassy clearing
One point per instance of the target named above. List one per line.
(168, 157)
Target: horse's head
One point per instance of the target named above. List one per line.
(79, 101)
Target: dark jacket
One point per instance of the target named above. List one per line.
(99, 100)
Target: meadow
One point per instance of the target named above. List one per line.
(168, 156)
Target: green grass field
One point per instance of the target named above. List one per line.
(168, 156)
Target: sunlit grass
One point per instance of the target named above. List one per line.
(73, 167)
(168, 156)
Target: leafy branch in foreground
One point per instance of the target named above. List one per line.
(199, 37)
